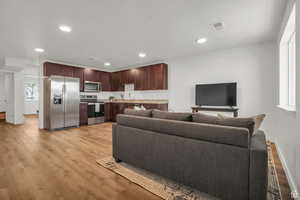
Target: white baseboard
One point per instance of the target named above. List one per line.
(295, 193)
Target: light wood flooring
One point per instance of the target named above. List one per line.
(41, 165)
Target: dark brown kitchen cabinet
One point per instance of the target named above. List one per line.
(57, 69)
(83, 120)
(117, 82)
(114, 111)
(130, 76)
(105, 80)
(158, 78)
(142, 76)
(107, 112)
(79, 73)
(127, 76)
(91, 75)
(152, 77)
(114, 81)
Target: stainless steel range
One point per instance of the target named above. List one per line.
(95, 108)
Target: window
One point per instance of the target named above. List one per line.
(287, 70)
(31, 92)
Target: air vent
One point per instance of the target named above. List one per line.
(218, 26)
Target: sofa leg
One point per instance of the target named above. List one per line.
(118, 160)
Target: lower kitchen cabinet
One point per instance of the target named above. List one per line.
(113, 109)
(107, 112)
(83, 120)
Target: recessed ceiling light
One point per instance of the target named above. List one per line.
(107, 64)
(65, 28)
(142, 55)
(39, 50)
(201, 40)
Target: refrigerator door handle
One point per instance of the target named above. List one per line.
(64, 90)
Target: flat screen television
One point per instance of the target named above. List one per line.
(220, 94)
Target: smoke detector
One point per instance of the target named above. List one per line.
(218, 26)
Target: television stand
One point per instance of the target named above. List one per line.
(233, 110)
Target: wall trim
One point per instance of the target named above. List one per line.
(295, 192)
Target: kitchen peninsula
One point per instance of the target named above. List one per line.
(118, 106)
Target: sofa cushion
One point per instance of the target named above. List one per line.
(179, 116)
(142, 113)
(204, 118)
(207, 132)
(251, 123)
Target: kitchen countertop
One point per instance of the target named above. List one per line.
(92, 101)
(138, 101)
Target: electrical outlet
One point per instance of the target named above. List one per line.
(295, 195)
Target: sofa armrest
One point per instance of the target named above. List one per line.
(258, 172)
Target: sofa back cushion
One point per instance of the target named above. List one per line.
(207, 132)
(252, 123)
(142, 113)
(179, 116)
(204, 118)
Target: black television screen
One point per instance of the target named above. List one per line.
(221, 94)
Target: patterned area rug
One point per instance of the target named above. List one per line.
(170, 190)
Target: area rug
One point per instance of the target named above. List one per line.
(170, 190)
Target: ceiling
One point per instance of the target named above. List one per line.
(116, 31)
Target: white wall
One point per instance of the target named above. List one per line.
(252, 67)
(287, 130)
(10, 96)
(14, 92)
(2, 93)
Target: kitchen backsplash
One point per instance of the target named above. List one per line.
(149, 94)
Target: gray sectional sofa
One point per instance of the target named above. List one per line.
(224, 161)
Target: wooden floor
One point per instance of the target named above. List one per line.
(41, 165)
(282, 179)
(60, 165)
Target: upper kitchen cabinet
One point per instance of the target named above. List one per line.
(130, 76)
(105, 80)
(127, 76)
(152, 77)
(117, 83)
(158, 79)
(57, 69)
(142, 77)
(79, 73)
(91, 75)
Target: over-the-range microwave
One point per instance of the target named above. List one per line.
(90, 86)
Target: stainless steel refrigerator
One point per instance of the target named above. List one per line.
(61, 102)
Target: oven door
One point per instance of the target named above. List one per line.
(91, 110)
(99, 109)
(92, 86)
(95, 113)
